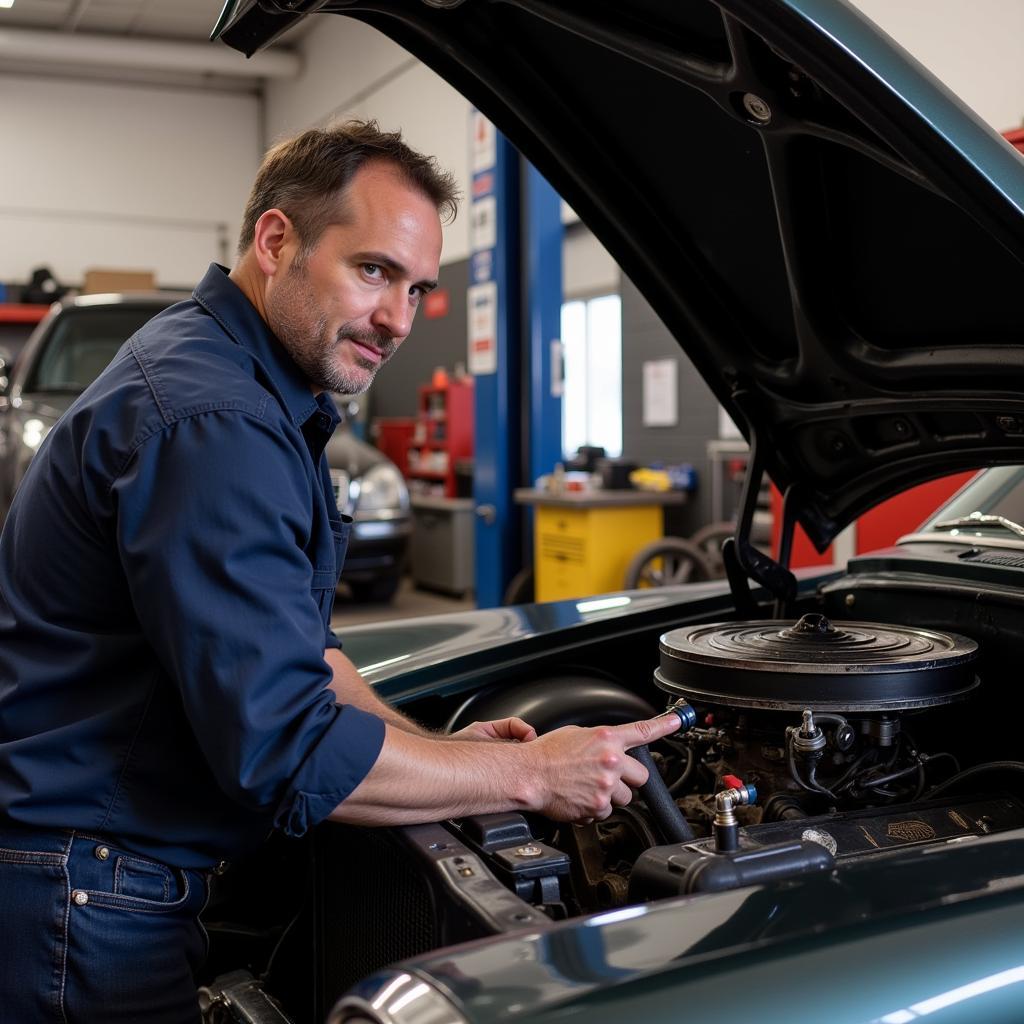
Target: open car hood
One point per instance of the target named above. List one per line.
(832, 237)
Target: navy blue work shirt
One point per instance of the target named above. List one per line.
(167, 574)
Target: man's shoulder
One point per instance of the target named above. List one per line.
(190, 363)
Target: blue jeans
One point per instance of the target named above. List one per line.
(90, 932)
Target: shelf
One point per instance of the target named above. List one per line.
(22, 313)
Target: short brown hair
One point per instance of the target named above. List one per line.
(306, 177)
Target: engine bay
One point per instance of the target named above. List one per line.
(802, 745)
(807, 744)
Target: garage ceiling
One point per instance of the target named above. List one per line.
(133, 41)
(189, 20)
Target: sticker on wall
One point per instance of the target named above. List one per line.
(482, 302)
(483, 184)
(557, 368)
(660, 393)
(481, 266)
(483, 227)
(485, 142)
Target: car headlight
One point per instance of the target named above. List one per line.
(382, 493)
(33, 432)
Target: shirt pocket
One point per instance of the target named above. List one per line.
(328, 569)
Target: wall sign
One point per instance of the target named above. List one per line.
(661, 393)
(483, 328)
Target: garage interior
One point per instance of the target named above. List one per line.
(131, 141)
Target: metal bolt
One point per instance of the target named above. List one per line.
(221, 868)
(102, 852)
(529, 851)
(850, 600)
(80, 898)
(757, 108)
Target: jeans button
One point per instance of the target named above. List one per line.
(80, 898)
(102, 852)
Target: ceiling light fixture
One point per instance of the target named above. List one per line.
(6, 3)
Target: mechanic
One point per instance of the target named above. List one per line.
(170, 688)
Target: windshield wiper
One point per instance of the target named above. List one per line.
(980, 519)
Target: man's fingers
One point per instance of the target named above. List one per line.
(633, 772)
(520, 730)
(636, 734)
(621, 795)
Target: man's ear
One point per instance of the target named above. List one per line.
(271, 240)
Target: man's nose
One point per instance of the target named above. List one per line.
(394, 313)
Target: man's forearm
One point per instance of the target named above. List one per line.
(349, 687)
(417, 779)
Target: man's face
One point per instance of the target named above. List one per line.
(343, 311)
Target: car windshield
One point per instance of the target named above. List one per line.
(991, 506)
(81, 344)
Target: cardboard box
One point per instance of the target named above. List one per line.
(98, 280)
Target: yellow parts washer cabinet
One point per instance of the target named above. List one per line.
(583, 542)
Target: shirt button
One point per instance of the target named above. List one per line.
(80, 898)
(102, 852)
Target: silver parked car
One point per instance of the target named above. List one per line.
(81, 335)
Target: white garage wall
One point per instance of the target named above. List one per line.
(974, 48)
(102, 175)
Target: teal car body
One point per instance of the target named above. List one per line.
(837, 243)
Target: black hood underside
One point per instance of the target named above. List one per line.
(832, 237)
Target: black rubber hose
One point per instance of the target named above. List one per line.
(978, 769)
(673, 824)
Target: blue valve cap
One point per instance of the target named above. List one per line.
(687, 716)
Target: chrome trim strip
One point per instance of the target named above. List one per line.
(975, 541)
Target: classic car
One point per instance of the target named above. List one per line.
(76, 340)
(837, 831)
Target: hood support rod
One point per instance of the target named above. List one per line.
(743, 562)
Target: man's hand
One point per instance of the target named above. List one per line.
(503, 729)
(571, 774)
(581, 774)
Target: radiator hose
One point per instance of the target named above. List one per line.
(672, 822)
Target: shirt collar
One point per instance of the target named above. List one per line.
(230, 307)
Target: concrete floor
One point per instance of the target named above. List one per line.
(408, 603)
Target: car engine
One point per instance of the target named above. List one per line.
(804, 745)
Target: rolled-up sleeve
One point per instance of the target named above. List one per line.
(213, 519)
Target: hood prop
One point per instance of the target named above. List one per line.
(743, 562)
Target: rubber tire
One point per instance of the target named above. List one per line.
(710, 539)
(520, 589)
(686, 552)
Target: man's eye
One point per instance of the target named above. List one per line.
(372, 269)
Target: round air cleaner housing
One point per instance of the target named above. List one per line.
(836, 666)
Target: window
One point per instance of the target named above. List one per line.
(592, 392)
